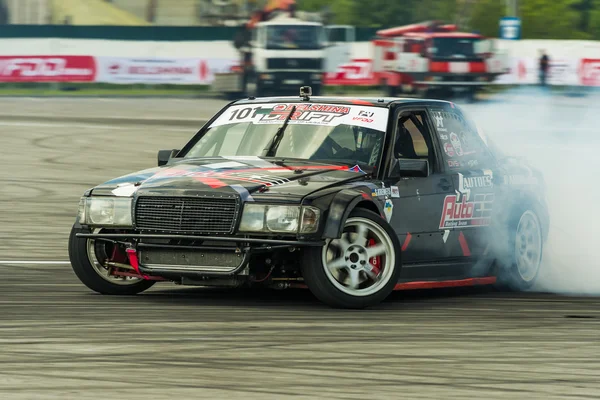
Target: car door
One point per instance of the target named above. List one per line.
(467, 213)
(418, 197)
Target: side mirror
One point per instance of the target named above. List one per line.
(404, 167)
(165, 155)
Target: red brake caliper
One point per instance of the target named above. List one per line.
(375, 261)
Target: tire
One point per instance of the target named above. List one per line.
(91, 277)
(521, 265)
(317, 266)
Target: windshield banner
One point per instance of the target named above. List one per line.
(306, 114)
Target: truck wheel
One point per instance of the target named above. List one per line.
(521, 265)
(358, 270)
(88, 260)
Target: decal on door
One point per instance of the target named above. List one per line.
(465, 184)
(467, 214)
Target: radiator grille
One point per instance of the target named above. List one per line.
(189, 215)
(295, 63)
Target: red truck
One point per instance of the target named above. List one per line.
(432, 59)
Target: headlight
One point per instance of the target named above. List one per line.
(105, 211)
(281, 219)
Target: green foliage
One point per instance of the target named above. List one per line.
(542, 19)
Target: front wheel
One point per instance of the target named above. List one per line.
(358, 270)
(94, 262)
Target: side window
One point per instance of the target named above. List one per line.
(461, 144)
(411, 137)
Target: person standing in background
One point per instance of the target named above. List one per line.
(544, 66)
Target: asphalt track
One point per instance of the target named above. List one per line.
(60, 341)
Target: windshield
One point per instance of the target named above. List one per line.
(457, 48)
(299, 37)
(319, 132)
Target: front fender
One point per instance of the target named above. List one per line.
(342, 205)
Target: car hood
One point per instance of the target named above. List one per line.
(245, 175)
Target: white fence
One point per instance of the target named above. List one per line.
(572, 62)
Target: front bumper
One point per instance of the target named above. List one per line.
(193, 256)
(455, 81)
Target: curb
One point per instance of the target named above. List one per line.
(184, 122)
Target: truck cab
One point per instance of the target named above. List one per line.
(431, 59)
(286, 53)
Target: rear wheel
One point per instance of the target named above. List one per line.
(95, 261)
(358, 270)
(525, 250)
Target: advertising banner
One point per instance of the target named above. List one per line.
(200, 71)
(356, 72)
(47, 69)
(525, 71)
(589, 72)
(182, 71)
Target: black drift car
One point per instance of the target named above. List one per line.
(352, 198)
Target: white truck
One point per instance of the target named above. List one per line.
(281, 55)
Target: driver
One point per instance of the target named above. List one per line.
(288, 38)
(404, 147)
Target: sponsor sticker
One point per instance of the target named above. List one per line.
(473, 163)
(453, 164)
(395, 192)
(449, 149)
(439, 121)
(483, 181)
(381, 192)
(365, 116)
(467, 214)
(520, 180)
(388, 209)
(465, 184)
(456, 144)
(307, 114)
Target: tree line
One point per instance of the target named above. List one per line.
(541, 19)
